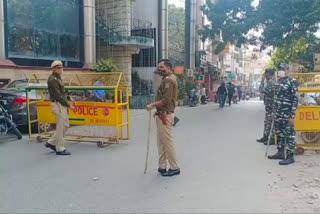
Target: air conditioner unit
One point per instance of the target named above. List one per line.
(189, 72)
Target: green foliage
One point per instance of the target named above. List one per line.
(176, 34)
(279, 21)
(185, 84)
(298, 51)
(181, 79)
(189, 84)
(106, 65)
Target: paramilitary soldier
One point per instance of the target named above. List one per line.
(268, 92)
(165, 104)
(59, 106)
(286, 103)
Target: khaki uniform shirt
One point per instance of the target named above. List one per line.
(56, 90)
(167, 94)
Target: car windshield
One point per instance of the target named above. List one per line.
(17, 85)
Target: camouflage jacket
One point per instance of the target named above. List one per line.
(286, 98)
(268, 92)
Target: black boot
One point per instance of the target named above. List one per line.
(161, 171)
(272, 142)
(176, 120)
(263, 139)
(171, 172)
(289, 160)
(278, 156)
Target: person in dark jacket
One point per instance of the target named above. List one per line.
(222, 93)
(231, 91)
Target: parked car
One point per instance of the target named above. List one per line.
(13, 96)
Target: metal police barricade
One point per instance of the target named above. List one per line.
(307, 121)
(102, 112)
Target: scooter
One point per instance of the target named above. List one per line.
(7, 124)
(193, 98)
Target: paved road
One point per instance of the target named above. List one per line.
(223, 169)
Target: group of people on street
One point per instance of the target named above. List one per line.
(281, 102)
(165, 104)
(280, 98)
(231, 92)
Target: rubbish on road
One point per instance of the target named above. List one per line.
(95, 179)
(314, 195)
(295, 185)
(108, 109)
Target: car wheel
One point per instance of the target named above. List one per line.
(310, 137)
(40, 128)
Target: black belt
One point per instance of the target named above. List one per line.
(167, 112)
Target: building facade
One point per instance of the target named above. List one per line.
(33, 33)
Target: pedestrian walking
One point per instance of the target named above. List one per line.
(59, 106)
(222, 93)
(230, 92)
(268, 91)
(240, 93)
(235, 96)
(203, 95)
(286, 103)
(165, 104)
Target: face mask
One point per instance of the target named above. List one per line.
(281, 74)
(162, 72)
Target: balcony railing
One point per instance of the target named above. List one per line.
(125, 31)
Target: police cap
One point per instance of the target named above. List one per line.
(270, 71)
(284, 66)
(56, 63)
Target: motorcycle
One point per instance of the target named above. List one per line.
(6, 123)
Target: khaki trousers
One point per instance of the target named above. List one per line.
(166, 146)
(62, 124)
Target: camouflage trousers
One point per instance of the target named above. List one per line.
(267, 124)
(285, 135)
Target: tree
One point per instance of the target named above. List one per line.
(298, 51)
(176, 35)
(263, 22)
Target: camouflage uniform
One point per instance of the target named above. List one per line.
(268, 91)
(286, 102)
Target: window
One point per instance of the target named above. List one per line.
(146, 57)
(44, 30)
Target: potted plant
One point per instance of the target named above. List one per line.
(107, 65)
(181, 79)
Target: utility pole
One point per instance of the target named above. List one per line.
(187, 33)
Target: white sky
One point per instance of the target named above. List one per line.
(178, 3)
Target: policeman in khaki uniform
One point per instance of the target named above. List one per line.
(59, 106)
(165, 104)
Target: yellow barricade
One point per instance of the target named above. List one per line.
(307, 122)
(104, 120)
